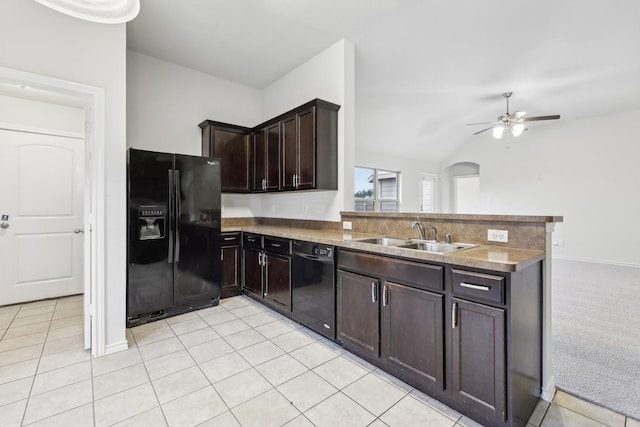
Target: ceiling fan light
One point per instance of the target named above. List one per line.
(517, 129)
(498, 131)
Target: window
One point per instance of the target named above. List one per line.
(428, 192)
(376, 190)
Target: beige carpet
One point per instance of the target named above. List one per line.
(596, 333)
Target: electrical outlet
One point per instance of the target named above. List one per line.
(498, 236)
(346, 225)
(320, 209)
(273, 207)
(305, 208)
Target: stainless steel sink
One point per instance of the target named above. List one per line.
(421, 245)
(385, 241)
(437, 247)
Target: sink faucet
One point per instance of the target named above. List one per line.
(420, 226)
(434, 232)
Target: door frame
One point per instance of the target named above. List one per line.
(93, 100)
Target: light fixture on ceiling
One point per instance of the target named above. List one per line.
(514, 122)
(516, 129)
(101, 11)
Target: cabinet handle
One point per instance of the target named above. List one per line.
(276, 245)
(385, 296)
(295, 181)
(221, 255)
(477, 287)
(260, 259)
(454, 315)
(231, 238)
(374, 296)
(264, 183)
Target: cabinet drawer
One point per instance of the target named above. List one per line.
(253, 241)
(277, 245)
(422, 276)
(230, 239)
(480, 286)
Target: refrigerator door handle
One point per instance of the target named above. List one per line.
(178, 196)
(170, 217)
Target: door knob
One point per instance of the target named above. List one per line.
(4, 225)
(78, 231)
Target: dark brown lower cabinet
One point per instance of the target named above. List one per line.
(253, 271)
(231, 262)
(267, 270)
(358, 312)
(471, 338)
(277, 280)
(479, 358)
(412, 336)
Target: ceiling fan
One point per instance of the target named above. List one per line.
(512, 121)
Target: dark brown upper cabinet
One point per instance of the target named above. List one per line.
(297, 150)
(232, 145)
(266, 159)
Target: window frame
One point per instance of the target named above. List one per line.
(377, 200)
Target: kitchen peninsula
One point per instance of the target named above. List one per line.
(470, 327)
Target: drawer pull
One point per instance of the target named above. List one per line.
(275, 245)
(230, 238)
(454, 315)
(477, 287)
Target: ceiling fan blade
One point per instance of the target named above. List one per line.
(535, 119)
(481, 123)
(484, 130)
(517, 115)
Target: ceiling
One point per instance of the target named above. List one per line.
(423, 68)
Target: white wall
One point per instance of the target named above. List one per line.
(584, 170)
(410, 179)
(38, 40)
(166, 102)
(329, 76)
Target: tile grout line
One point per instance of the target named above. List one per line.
(26, 406)
(164, 416)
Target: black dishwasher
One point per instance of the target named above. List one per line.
(313, 287)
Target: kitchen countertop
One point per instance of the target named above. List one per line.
(481, 256)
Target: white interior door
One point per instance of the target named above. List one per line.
(41, 216)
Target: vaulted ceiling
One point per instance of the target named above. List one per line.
(424, 68)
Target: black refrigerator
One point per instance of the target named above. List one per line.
(173, 257)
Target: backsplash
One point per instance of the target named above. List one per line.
(525, 232)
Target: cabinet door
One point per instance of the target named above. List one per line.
(306, 149)
(273, 157)
(478, 358)
(416, 350)
(357, 312)
(289, 152)
(253, 271)
(233, 148)
(230, 270)
(277, 286)
(259, 160)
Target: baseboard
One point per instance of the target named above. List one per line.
(596, 261)
(548, 389)
(116, 347)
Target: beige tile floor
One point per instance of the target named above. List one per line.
(237, 364)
